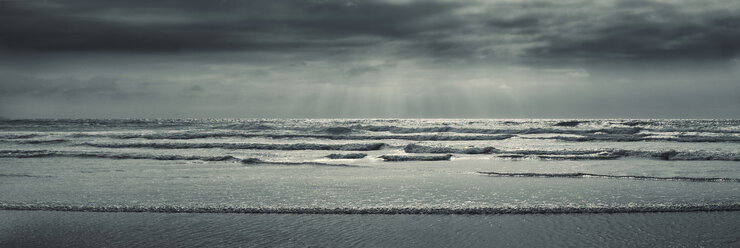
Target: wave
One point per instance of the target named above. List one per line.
(23, 175)
(346, 156)
(641, 137)
(36, 142)
(533, 130)
(381, 210)
(569, 123)
(415, 148)
(599, 137)
(255, 146)
(700, 138)
(671, 155)
(19, 136)
(595, 156)
(262, 162)
(400, 158)
(123, 156)
(587, 175)
(605, 154)
(75, 154)
(617, 135)
(191, 135)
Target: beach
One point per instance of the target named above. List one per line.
(91, 229)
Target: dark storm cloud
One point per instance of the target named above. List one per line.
(206, 25)
(626, 30)
(658, 32)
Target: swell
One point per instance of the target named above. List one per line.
(346, 156)
(380, 210)
(604, 154)
(255, 146)
(74, 154)
(124, 156)
(533, 130)
(415, 148)
(401, 158)
(19, 136)
(262, 162)
(587, 175)
(641, 137)
(34, 142)
(23, 175)
(616, 135)
(421, 137)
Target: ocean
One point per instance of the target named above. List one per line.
(340, 172)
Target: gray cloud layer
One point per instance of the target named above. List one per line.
(330, 58)
(633, 30)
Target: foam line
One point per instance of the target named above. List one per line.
(587, 175)
(378, 210)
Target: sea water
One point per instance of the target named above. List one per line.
(624, 174)
(444, 166)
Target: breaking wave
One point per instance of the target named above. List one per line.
(568, 123)
(35, 142)
(615, 154)
(19, 136)
(74, 154)
(641, 137)
(421, 137)
(123, 156)
(532, 130)
(605, 154)
(255, 146)
(259, 161)
(616, 134)
(346, 156)
(380, 210)
(23, 175)
(587, 175)
(415, 148)
(399, 158)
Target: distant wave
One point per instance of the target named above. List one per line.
(347, 156)
(641, 137)
(256, 146)
(379, 210)
(586, 175)
(569, 123)
(594, 156)
(34, 142)
(19, 136)
(195, 135)
(259, 161)
(617, 135)
(74, 154)
(662, 155)
(605, 154)
(123, 156)
(415, 148)
(22, 175)
(533, 130)
(399, 158)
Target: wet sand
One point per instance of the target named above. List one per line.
(101, 229)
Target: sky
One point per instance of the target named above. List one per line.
(369, 59)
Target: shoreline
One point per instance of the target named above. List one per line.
(378, 211)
